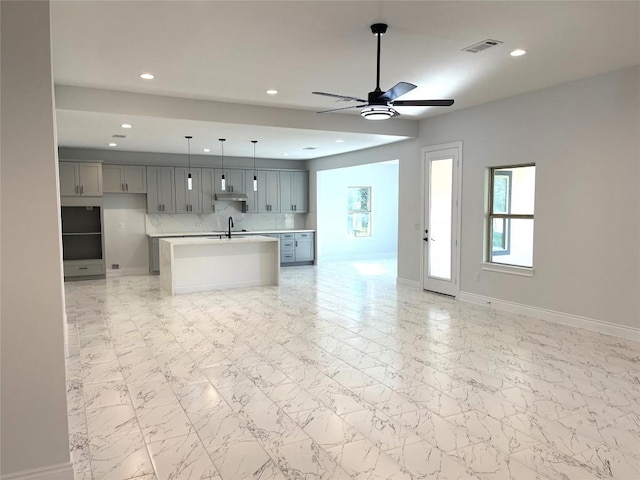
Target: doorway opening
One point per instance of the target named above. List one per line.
(357, 218)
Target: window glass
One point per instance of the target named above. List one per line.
(512, 199)
(359, 211)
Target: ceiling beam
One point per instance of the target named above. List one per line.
(113, 101)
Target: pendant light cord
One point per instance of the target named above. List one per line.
(222, 140)
(189, 151)
(254, 156)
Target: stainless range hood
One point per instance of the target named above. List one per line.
(232, 197)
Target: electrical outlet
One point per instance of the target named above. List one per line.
(115, 266)
(121, 226)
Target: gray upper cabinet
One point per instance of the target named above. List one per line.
(188, 201)
(208, 179)
(234, 180)
(124, 179)
(161, 190)
(294, 191)
(268, 191)
(80, 179)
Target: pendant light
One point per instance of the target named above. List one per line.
(224, 182)
(255, 177)
(189, 178)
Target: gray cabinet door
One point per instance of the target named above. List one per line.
(300, 192)
(160, 190)
(188, 201)
(234, 179)
(286, 192)
(208, 179)
(304, 247)
(268, 191)
(68, 179)
(90, 176)
(124, 179)
(135, 179)
(252, 197)
(112, 179)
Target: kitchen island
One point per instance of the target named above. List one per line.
(198, 264)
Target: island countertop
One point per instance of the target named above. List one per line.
(216, 240)
(204, 234)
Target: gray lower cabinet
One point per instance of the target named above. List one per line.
(297, 248)
(304, 247)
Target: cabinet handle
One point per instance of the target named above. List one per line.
(81, 189)
(213, 207)
(77, 189)
(127, 185)
(83, 268)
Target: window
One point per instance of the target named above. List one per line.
(359, 211)
(511, 202)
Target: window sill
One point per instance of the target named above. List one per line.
(508, 269)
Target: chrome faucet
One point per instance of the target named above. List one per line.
(230, 225)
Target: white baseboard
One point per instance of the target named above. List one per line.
(60, 471)
(408, 283)
(553, 316)
(121, 272)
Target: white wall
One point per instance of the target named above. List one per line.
(583, 138)
(126, 241)
(333, 243)
(33, 400)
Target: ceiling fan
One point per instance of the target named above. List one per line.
(379, 105)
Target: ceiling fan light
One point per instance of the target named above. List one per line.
(377, 112)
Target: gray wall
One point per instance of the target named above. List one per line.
(584, 138)
(33, 393)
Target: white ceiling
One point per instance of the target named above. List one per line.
(231, 52)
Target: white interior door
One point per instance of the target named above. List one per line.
(441, 222)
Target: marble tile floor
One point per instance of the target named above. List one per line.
(338, 373)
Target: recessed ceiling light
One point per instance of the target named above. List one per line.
(206, 149)
(285, 154)
(126, 125)
(147, 76)
(339, 141)
(309, 148)
(518, 52)
(272, 92)
(113, 144)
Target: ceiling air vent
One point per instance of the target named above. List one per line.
(115, 135)
(482, 46)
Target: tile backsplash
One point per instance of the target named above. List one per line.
(215, 222)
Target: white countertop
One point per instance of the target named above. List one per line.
(204, 234)
(218, 241)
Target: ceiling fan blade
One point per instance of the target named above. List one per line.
(343, 108)
(423, 103)
(344, 98)
(398, 89)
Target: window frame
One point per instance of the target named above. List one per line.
(369, 211)
(505, 216)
